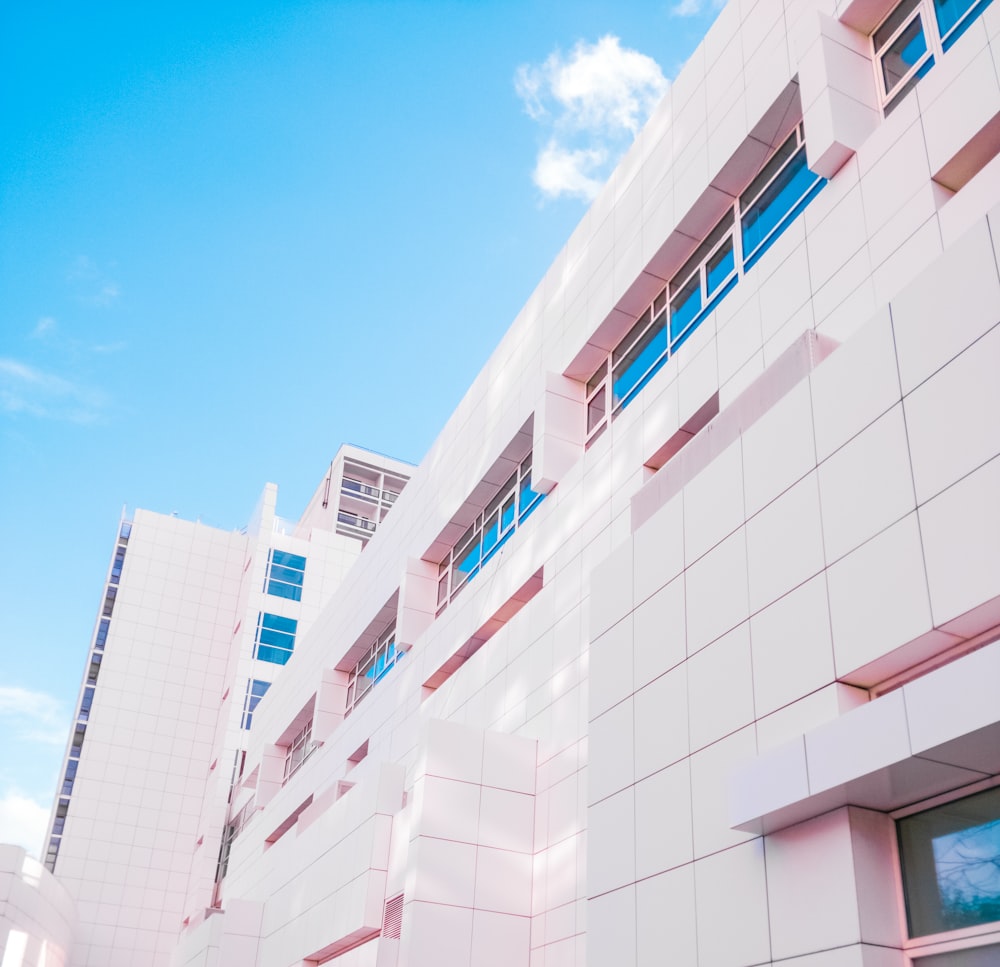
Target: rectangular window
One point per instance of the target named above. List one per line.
(256, 690)
(380, 659)
(510, 507)
(776, 197)
(285, 573)
(916, 32)
(275, 638)
(902, 52)
(950, 859)
(771, 202)
(300, 748)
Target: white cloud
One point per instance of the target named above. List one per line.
(36, 716)
(694, 8)
(23, 821)
(593, 102)
(25, 389)
(560, 171)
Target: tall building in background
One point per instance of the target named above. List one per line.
(681, 645)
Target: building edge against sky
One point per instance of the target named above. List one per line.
(682, 642)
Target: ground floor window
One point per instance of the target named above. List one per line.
(950, 865)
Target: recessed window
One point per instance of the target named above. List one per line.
(299, 749)
(275, 638)
(950, 859)
(256, 690)
(907, 42)
(380, 659)
(771, 202)
(512, 505)
(285, 574)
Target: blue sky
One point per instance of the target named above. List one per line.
(236, 235)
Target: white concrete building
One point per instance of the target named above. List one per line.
(682, 645)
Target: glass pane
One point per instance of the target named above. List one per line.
(280, 624)
(701, 253)
(892, 23)
(685, 306)
(719, 267)
(597, 378)
(769, 170)
(280, 590)
(951, 12)
(633, 334)
(491, 531)
(469, 560)
(596, 410)
(900, 93)
(289, 560)
(507, 517)
(629, 374)
(951, 864)
(775, 203)
(905, 52)
(528, 496)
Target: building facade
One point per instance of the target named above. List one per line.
(682, 644)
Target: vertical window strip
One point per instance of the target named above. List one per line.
(771, 202)
(285, 575)
(275, 639)
(256, 690)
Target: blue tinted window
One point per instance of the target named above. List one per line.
(275, 638)
(256, 690)
(637, 365)
(949, 856)
(952, 13)
(285, 574)
(776, 207)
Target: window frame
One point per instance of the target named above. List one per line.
(601, 406)
(298, 751)
(274, 646)
(916, 949)
(924, 12)
(471, 545)
(281, 575)
(384, 649)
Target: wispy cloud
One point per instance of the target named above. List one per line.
(693, 8)
(93, 284)
(34, 392)
(45, 326)
(23, 820)
(592, 104)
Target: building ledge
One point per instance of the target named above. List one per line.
(936, 733)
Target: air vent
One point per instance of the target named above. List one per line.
(393, 921)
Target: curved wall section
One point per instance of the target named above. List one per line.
(37, 915)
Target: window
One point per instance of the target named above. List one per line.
(906, 43)
(770, 203)
(102, 634)
(275, 638)
(513, 504)
(117, 564)
(285, 573)
(372, 668)
(256, 690)
(300, 748)
(950, 860)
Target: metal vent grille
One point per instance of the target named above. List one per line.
(393, 920)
